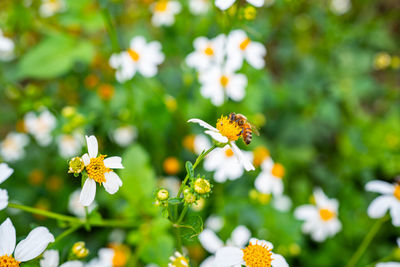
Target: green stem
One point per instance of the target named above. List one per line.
(110, 29)
(185, 209)
(178, 239)
(366, 241)
(65, 234)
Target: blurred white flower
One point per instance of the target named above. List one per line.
(390, 200)
(6, 48)
(240, 47)
(214, 222)
(50, 7)
(270, 178)
(99, 170)
(259, 251)
(225, 4)
(199, 7)
(339, 7)
(217, 82)
(27, 249)
(124, 135)
(171, 183)
(207, 52)
(75, 207)
(51, 258)
(201, 143)
(69, 145)
(40, 126)
(164, 12)
(321, 219)
(5, 172)
(282, 203)
(12, 147)
(141, 56)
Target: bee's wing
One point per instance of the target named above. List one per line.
(254, 129)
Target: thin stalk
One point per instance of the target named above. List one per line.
(178, 239)
(185, 209)
(110, 29)
(66, 233)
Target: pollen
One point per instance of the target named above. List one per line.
(243, 45)
(161, 6)
(224, 80)
(8, 261)
(209, 51)
(326, 214)
(229, 152)
(96, 169)
(257, 255)
(278, 170)
(133, 54)
(396, 192)
(228, 129)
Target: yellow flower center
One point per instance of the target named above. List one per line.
(224, 80)
(8, 261)
(161, 6)
(243, 45)
(257, 255)
(209, 51)
(133, 54)
(230, 130)
(278, 170)
(229, 152)
(326, 214)
(96, 169)
(396, 192)
(260, 154)
(180, 262)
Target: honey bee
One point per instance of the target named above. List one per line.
(247, 127)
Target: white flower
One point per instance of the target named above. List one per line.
(225, 4)
(49, 7)
(321, 219)
(69, 144)
(270, 178)
(201, 143)
(257, 250)
(282, 203)
(199, 7)
(141, 56)
(339, 7)
(390, 200)
(226, 133)
(5, 172)
(51, 258)
(12, 147)
(75, 207)
(40, 126)
(27, 249)
(214, 222)
(124, 135)
(171, 183)
(6, 48)
(240, 47)
(207, 52)
(218, 81)
(164, 12)
(99, 170)
(211, 242)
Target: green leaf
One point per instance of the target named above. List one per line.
(189, 169)
(191, 227)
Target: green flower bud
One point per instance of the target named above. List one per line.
(76, 165)
(162, 194)
(202, 186)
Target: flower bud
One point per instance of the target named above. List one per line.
(250, 13)
(202, 186)
(79, 250)
(162, 194)
(189, 197)
(76, 165)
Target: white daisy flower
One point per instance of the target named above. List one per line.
(390, 200)
(226, 133)
(51, 258)
(141, 56)
(212, 243)
(321, 219)
(69, 144)
(6, 48)
(164, 12)
(5, 172)
(40, 126)
(225, 4)
(12, 147)
(27, 249)
(207, 52)
(99, 170)
(178, 260)
(258, 251)
(217, 81)
(339, 7)
(75, 207)
(199, 7)
(269, 181)
(50, 7)
(240, 47)
(124, 135)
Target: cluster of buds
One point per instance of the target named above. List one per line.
(161, 196)
(79, 250)
(199, 187)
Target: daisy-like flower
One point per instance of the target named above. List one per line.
(207, 52)
(211, 242)
(69, 144)
(12, 147)
(269, 181)
(99, 170)
(199, 7)
(140, 57)
(321, 219)
(226, 133)
(225, 4)
(124, 135)
(240, 47)
(257, 253)
(51, 258)
(5, 172)
(390, 200)
(75, 207)
(50, 7)
(218, 81)
(40, 126)
(27, 249)
(164, 12)
(116, 255)
(178, 260)
(6, 48)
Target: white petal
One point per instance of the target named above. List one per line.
(224, 4)
(51, 258)
(86, 159)
(7, 237)
(210, 241)
(113, 163)
(278, 261)
(5, 172)
(306, 212)
(92, 146)
(217, 136)
(112, 183)
(34, 244)
(88, 192)
(395, 213)
(228, 256)
(379, 206)
(388, 264)
(203, 124)
(257, 3)
(3, 199)
(72, 264)
(248, 166)
(240, 236)
(379, 187)
(208, 262)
